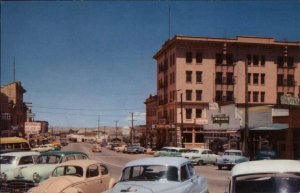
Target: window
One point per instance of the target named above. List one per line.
(262, 97)
(249, 59)
(229, 59)
(290, 62)
(103, 169)
(191, 169)
(255, 78)
(219, 59)
(184, 173)
(92, 171)
(188, 57)
(255, 96)
(230, 79)
(188, 114)
(262, 78)
(262, 60)
(219, 77)
(249, 96)
(188, 76)
(70, 157)
(198, 57)
(280, 61)
(218, 95)
(255, 60)
(249, 78)
(198, 95)
(229, 95)
(198, 113)
(290, 80)
(26, 160)
(199, 77)
(280, 80)
(188, 95)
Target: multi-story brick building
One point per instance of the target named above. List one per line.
(12, 109)
(193, 72)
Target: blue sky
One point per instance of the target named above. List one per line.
(81, 59)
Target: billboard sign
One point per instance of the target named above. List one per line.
(222, 118)
(33, 127)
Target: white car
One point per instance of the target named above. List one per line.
(160, 175)
(201, 156)
(230, 158)
(267, 176)
(15, 160)
(43, 148)
(89, 176)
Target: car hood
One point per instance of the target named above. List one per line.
(56, 184)
(146, 187)
(44, 171)
(5, 167)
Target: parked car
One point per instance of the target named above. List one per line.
(25, 178)
(90, 176)
(201, 156)
(135, 149)
(96, 148)
(230, 158)
(54, 147)
(160, 175)
(43, 148)
(170, 152)
(266, 154)
(267, 176)
(120, 148)
(14, 160)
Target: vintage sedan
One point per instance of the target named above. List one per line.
(20, 180)
(230, 158)
(14, 160)
(89, 176)
(201, 156)
(135, 149)
(267, 176)
(170, 152)
(43, 148)
(160, 175)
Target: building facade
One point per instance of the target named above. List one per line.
(13, 109)
(194, 72)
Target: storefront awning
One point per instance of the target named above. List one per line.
(272, 127)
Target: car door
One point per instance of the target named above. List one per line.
(204, 156)
(95, 182)
(188, 181)
(26, 161)
(212, 158)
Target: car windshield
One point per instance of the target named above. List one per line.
(48, 159)
(150, 173)
(233, 153)
(68, 171)
(7, 159)
(268, 183)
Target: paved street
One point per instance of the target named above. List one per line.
(217, 179)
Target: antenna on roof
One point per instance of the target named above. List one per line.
(169, 20)
(14, 69)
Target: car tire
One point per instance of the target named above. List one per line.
(200, 163)
(219, 167)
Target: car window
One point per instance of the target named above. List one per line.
(70, 157)
(204, 152)
(68, 170)
(103, 169)
(26, 160)
(191, 169)
(184, 174)
(48, 159)
(7, 159)
(81, 156)
(92, 171)
(209, 152)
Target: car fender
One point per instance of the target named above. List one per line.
(73, 190)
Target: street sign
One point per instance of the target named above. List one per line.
(220, 119)
(33, 127)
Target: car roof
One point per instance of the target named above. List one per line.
(61, 153)
(200, 149)
(266, 166)
(82, 162)
(21, 153)
(177, 148)
(233, 150)
(167, 161)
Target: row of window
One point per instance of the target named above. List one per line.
(188, 114)
(254, 78)
(256, 96)
(281, 81)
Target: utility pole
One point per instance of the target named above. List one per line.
(132, 130)
(98, 126)
(246, 132)
(116, 130)
(181, 129)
